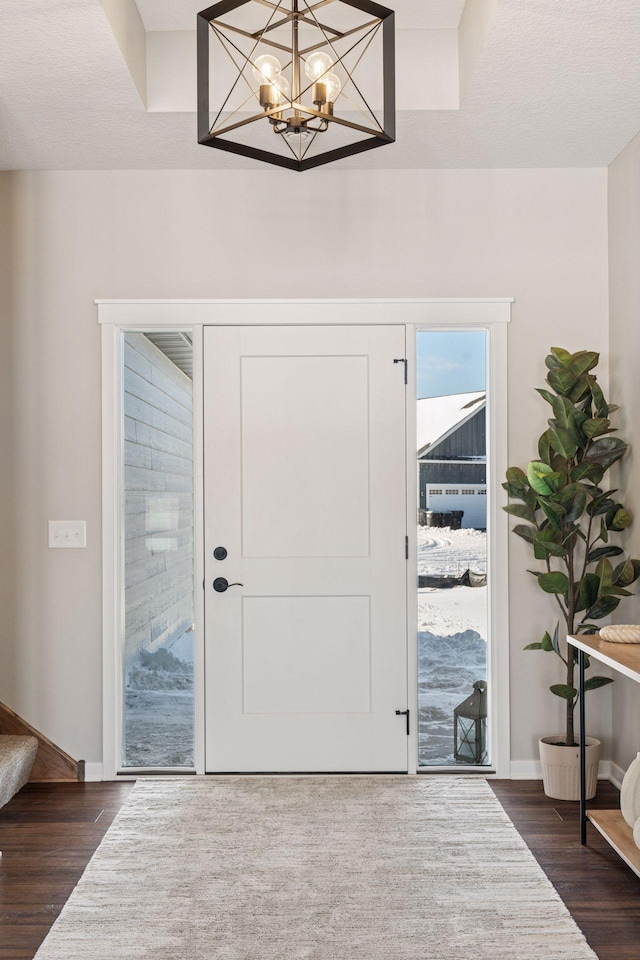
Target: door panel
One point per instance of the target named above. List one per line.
(304, 468)
(323, 646)
(305, 489)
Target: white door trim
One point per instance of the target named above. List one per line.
(123, 315)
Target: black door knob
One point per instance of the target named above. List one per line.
(221, 584)
(220, 553)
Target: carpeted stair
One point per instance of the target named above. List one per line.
(17, 756)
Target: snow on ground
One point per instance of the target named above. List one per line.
(451, 552)
(452, 631)
(159, 707)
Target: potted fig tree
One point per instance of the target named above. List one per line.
(570, 519)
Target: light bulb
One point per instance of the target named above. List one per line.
(317, 64)
(266, 68)
(333, 84)
(281, 88)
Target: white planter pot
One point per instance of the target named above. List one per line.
(561, 768)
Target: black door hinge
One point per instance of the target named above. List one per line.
(406, 548)
(406, 369)
(404, 713)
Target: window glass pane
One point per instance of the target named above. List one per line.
(158, 581)
(452, 548)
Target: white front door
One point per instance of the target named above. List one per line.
(305, 479)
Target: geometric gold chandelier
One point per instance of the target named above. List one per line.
(297, 83)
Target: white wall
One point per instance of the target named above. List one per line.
(624, 266)
(537, 235)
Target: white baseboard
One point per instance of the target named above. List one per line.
(93, 772)
(532, 770)
(526, 770)
(520, 770)
(616, 774)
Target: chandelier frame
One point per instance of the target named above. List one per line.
(383, 20)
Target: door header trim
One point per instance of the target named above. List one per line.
(189, 313)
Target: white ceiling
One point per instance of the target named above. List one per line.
(557, 84)
(410, 14)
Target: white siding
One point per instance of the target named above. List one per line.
(158, 497)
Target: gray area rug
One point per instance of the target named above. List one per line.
(344, 868)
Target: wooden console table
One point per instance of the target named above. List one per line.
(625, 659)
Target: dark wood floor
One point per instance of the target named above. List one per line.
(48, 834)
(600, 891)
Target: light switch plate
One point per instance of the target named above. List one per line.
(67, 533)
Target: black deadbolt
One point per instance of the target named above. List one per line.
(220, 553)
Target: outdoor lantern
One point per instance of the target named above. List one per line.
(470, 726)
(297, 83)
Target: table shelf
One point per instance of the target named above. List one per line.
(616, 831)
(625, 659)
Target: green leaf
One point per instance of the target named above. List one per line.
(598, 399)
(530, 497)
(604, 572)
(564, 412)
(614, 591)
(624, 581)
(545, 545)
(583, 361)
(625, 573)
(546, 643)
(521, 510)
(588, 629)
(564, 691)
(587, 471)
(556, 640)
(544, 448)
(535, 573)
(597, 427)
(527, 533)
(562, 355)
(553, 514)
(600, 506)
(517, 476)
(580, 390)
(588, 594)
(562, 381)
(604, 552)
(578, 504)
(554, 582)
(552, 363)
(561, 442)
(603, 608)
(594, 682)
(533, 646)
(604, 533)
(620, 521)
(542, 478)
(573, 498)
(548, 396)
(606, 451)
(613, 407)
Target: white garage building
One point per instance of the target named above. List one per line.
(452, 456)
